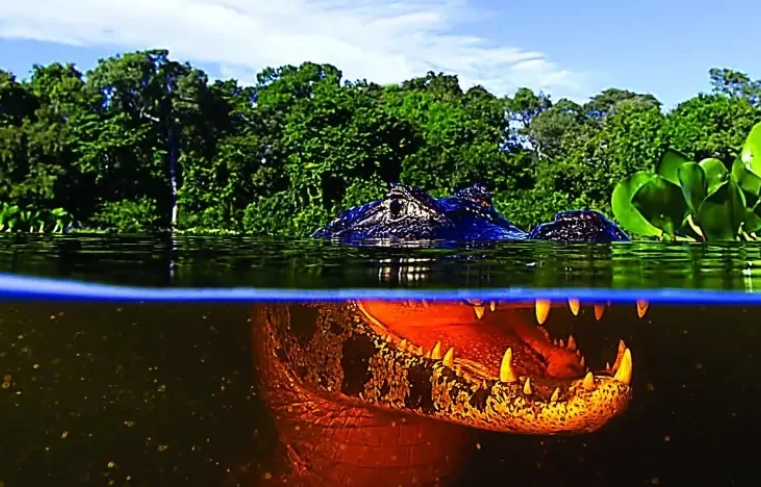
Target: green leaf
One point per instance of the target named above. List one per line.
(722, 212)
(747, 180)
(661, 203)
(750, 155)
(716, 173)
(668, 166)
(692, 180)
(752, 220)
(623, 210)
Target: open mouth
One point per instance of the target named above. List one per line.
(499, 343)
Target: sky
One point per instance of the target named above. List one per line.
(566, 49)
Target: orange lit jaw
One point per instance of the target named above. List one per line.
(479, 338)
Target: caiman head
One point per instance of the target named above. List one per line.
(411, 214)
(405, 213)
(579, 226)
(483, 366)
(475, 218)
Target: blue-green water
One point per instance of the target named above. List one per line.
(131, 386)
(316, 264)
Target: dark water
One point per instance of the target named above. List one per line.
(164, 394)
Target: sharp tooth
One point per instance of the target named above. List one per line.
(555, 342)
(479, 311)
(389, 339)
(607, 367)
(578, 353)
(506, 373)
(420, 350)
(542, 308)
(575, 305)
(589, 381)
(449, 358)
(436, 352)
(555, 395)
(403, 345)
(642, 306)
(561, 343)
(493, 306)
(624, 372)
(619, 354)
(527, 387)
(571, 343)
(599, 311)
(582, 362)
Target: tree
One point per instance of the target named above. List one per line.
(145, 142)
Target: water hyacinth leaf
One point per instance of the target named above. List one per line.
(668, 166)
(716, 173)
(623, 210)
(661, 203)
(749, 182)
(692, 180)
(750, 155)
(752, 220)
(722, 212)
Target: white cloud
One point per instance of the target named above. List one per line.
(384, 41)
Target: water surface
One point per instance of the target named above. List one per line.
(317, 264)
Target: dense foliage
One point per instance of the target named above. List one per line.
(701, 200)
(143, 142)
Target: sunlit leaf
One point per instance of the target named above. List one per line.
(716, 173)
(661, 203)
(750, 155)
(668, 166)
(623, 210)
(693, 183)
(722, 212)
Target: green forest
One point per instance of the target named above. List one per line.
(142, 142)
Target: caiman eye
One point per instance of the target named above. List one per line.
(395, 207)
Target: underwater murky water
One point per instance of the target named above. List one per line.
(173, 394)
(237, 384)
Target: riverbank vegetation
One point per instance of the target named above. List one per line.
(142, 142)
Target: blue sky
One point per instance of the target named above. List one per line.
(571, 49)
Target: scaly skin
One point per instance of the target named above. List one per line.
(409, 213)
(368, 393)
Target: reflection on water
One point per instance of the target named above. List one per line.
(368, 393)
(315, 263)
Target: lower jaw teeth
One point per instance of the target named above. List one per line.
(621, 370)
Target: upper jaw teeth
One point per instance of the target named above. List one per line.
(542, 308)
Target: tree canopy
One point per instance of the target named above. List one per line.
(143, 142)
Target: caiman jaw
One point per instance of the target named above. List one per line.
(467, 392)
(543, 306)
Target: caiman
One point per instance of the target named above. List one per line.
(409, 213)
(387, 394)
